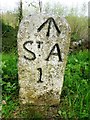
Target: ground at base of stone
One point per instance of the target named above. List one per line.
(41, 112)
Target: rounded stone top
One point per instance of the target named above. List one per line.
(52, 25)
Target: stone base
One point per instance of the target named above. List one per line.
(41, 112)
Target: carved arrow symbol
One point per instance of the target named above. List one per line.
(49, 26)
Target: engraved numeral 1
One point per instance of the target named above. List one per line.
(40, 76)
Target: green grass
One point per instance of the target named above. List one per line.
(9, 84)
(75, 95)
(76, 91)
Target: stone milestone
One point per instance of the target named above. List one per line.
(43, 45)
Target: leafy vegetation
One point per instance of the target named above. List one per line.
(9, 38)
(76, 91)
(79, 27)
(9, 84)
(75, 94)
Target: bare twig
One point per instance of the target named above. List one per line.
(40, 5)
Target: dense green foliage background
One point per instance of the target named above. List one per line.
(9, 35)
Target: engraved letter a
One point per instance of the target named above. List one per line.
(56, 54)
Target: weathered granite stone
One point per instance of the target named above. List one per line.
(43, 45)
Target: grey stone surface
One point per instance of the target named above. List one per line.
(42, 58)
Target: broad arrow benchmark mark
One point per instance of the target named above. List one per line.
(49, 26)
